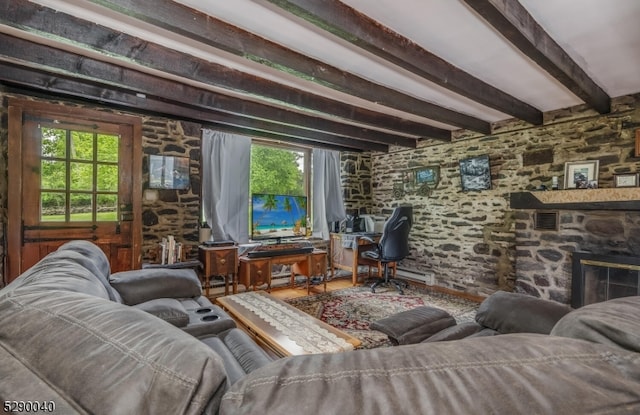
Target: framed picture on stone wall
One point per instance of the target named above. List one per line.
(581, 174)
(429, 175)
(475, 173)
(168, 172)
(625, 180)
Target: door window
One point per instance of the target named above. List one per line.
(79, 175)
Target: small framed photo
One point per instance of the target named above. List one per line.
(429, 175)
(581, 174)
(168, 172)
(475, 173)
(625, 180)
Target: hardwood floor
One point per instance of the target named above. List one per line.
(335, 284)
(338, 283)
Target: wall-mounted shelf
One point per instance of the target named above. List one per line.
(619, 198)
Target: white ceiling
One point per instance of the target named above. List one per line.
(601, 37)
(604, 38)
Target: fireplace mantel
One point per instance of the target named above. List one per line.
(619, 198)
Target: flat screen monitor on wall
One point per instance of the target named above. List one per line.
(278, 216)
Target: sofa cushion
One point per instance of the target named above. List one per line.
(415, 325)
(506, 374)
(240, 354)
(18, 378)
(615, 323)
(167, 309)
(456, 332)
(59, 271)
(94, 260)
(107, 358)
(142, 285)
(508, 312)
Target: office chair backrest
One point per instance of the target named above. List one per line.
(394, 243)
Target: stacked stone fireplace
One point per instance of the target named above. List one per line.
(597, 278)
(544, 265)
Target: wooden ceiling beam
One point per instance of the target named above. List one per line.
(14, 74)
(515, 23)
(368, 34)
(72, 65)
(219, 34)
(41, 20)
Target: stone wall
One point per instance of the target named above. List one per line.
(544, 257)
(468, 240)
(170, 212)
(356, 181)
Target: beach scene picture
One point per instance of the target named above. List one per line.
(277, 216)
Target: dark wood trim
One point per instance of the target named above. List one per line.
(156, 108)
(366, 33)
(13, 234)
(136, 196)
(41, 20)
(129, 102)
(527, 200)
(219, 34)
(101, 78)
(515, 23)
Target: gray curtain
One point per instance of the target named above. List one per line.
(225, 184)
(327, 201)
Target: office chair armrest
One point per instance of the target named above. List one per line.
(371, 254)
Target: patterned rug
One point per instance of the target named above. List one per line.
(352, 309)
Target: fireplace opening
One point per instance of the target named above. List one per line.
(597, 278)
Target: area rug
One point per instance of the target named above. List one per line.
(353, 309)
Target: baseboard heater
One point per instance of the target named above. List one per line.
(420, 276)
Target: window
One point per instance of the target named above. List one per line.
(79, 175)
(280, 169)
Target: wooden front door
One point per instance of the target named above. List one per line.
(75, 175)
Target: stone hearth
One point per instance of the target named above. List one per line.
(544, 257)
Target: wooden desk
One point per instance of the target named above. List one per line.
(219, 261)
(257, 271)
(343, 254)
(283, 329)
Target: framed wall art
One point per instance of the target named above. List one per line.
(429, 175)
(475, 173)
(168, 172)
(581, 174)
(625, 180)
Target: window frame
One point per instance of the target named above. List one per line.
(306, 164)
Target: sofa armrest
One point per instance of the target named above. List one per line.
(455, 332)
(508, 312)
(414, 325)
(142, 285)
(167, 309)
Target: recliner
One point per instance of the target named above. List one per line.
(393, 246)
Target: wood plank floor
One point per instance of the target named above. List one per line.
(335, 284)
(338, 283)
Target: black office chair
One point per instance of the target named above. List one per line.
(393, 246)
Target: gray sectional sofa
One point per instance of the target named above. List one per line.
(91, 342)
(135, 342)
